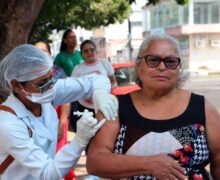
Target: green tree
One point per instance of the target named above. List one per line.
(88, 14)
(16, 20)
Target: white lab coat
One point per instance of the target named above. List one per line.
(35, 157)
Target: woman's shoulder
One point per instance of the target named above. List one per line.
(210, 108)
(77, 51)
(124, 98)
(105, 61)
(9, 123)
(58, 57)
(80, 66)
(6, 115)
(197, 100)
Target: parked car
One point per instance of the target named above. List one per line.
(125, 77)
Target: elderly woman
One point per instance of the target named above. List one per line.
(28, 125)
(163, 132)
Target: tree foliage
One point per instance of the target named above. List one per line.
(154, 2)
(88, 14)
(16, 19)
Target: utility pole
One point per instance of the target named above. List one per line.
(129, 40)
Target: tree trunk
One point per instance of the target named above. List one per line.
(16, 20)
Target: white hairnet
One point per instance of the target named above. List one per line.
(24, 63)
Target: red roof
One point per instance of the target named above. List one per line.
(125, 89)
(125, 64)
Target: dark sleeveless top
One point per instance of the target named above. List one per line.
(182, 138)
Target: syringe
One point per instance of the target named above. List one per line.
(78, 113)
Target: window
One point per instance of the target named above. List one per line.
(136, 23)
(206, 12)
(168, 14)
(215, 13)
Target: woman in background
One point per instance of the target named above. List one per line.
(69, 56)
(91, 65)
(67, 59)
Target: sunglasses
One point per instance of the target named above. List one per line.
(92, 50)
(48, 84)
(154, 61)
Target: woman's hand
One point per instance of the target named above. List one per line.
(166, 168)
(63, 119)
(60, 131)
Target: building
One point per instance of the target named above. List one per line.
(195, 25)
(120, 42)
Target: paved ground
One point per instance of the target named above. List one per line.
(210, 87)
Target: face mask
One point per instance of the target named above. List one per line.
(42, 98)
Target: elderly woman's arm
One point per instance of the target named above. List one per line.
(101, 160)
(213, 137)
